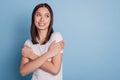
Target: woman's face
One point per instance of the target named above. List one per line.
(42, 18)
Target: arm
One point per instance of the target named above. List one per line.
(28, 66)
(52, 67)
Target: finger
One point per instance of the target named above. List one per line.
(61, 44)
(26, 46)
(57, 45)
(53, 43)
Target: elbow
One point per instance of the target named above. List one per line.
(22, 73)
(55, 72)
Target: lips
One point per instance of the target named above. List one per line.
(41, 24)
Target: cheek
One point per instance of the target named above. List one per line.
(48, 21)
(36, 19)
(35, 22)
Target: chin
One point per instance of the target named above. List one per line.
(42, 28)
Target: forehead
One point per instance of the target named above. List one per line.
(43, 10)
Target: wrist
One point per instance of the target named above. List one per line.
(48, 54)
(32, 57)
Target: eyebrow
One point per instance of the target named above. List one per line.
(40, 13)
(37, 12)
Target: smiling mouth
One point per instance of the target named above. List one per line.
(41, 24)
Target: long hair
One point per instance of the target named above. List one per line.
(34, 32)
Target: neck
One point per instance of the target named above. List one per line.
(42, 35)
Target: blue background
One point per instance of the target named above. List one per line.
(90, 28)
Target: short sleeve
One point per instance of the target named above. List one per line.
(28, 43)
(56, 36)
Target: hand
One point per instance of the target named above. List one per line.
(26, 51)
(55, 48)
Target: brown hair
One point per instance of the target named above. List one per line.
(34, 32)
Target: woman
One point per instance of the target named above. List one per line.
(43, 54)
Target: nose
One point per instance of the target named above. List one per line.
(42, 18)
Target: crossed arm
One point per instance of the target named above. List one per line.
(41, 62)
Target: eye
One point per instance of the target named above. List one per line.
(47, 16)
(37, 14)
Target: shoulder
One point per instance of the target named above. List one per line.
(56, 36)
(28, 42)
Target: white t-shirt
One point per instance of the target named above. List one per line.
(39, 49)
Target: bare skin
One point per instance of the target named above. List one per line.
(52, 66)
(42, 62)
(30, 62)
